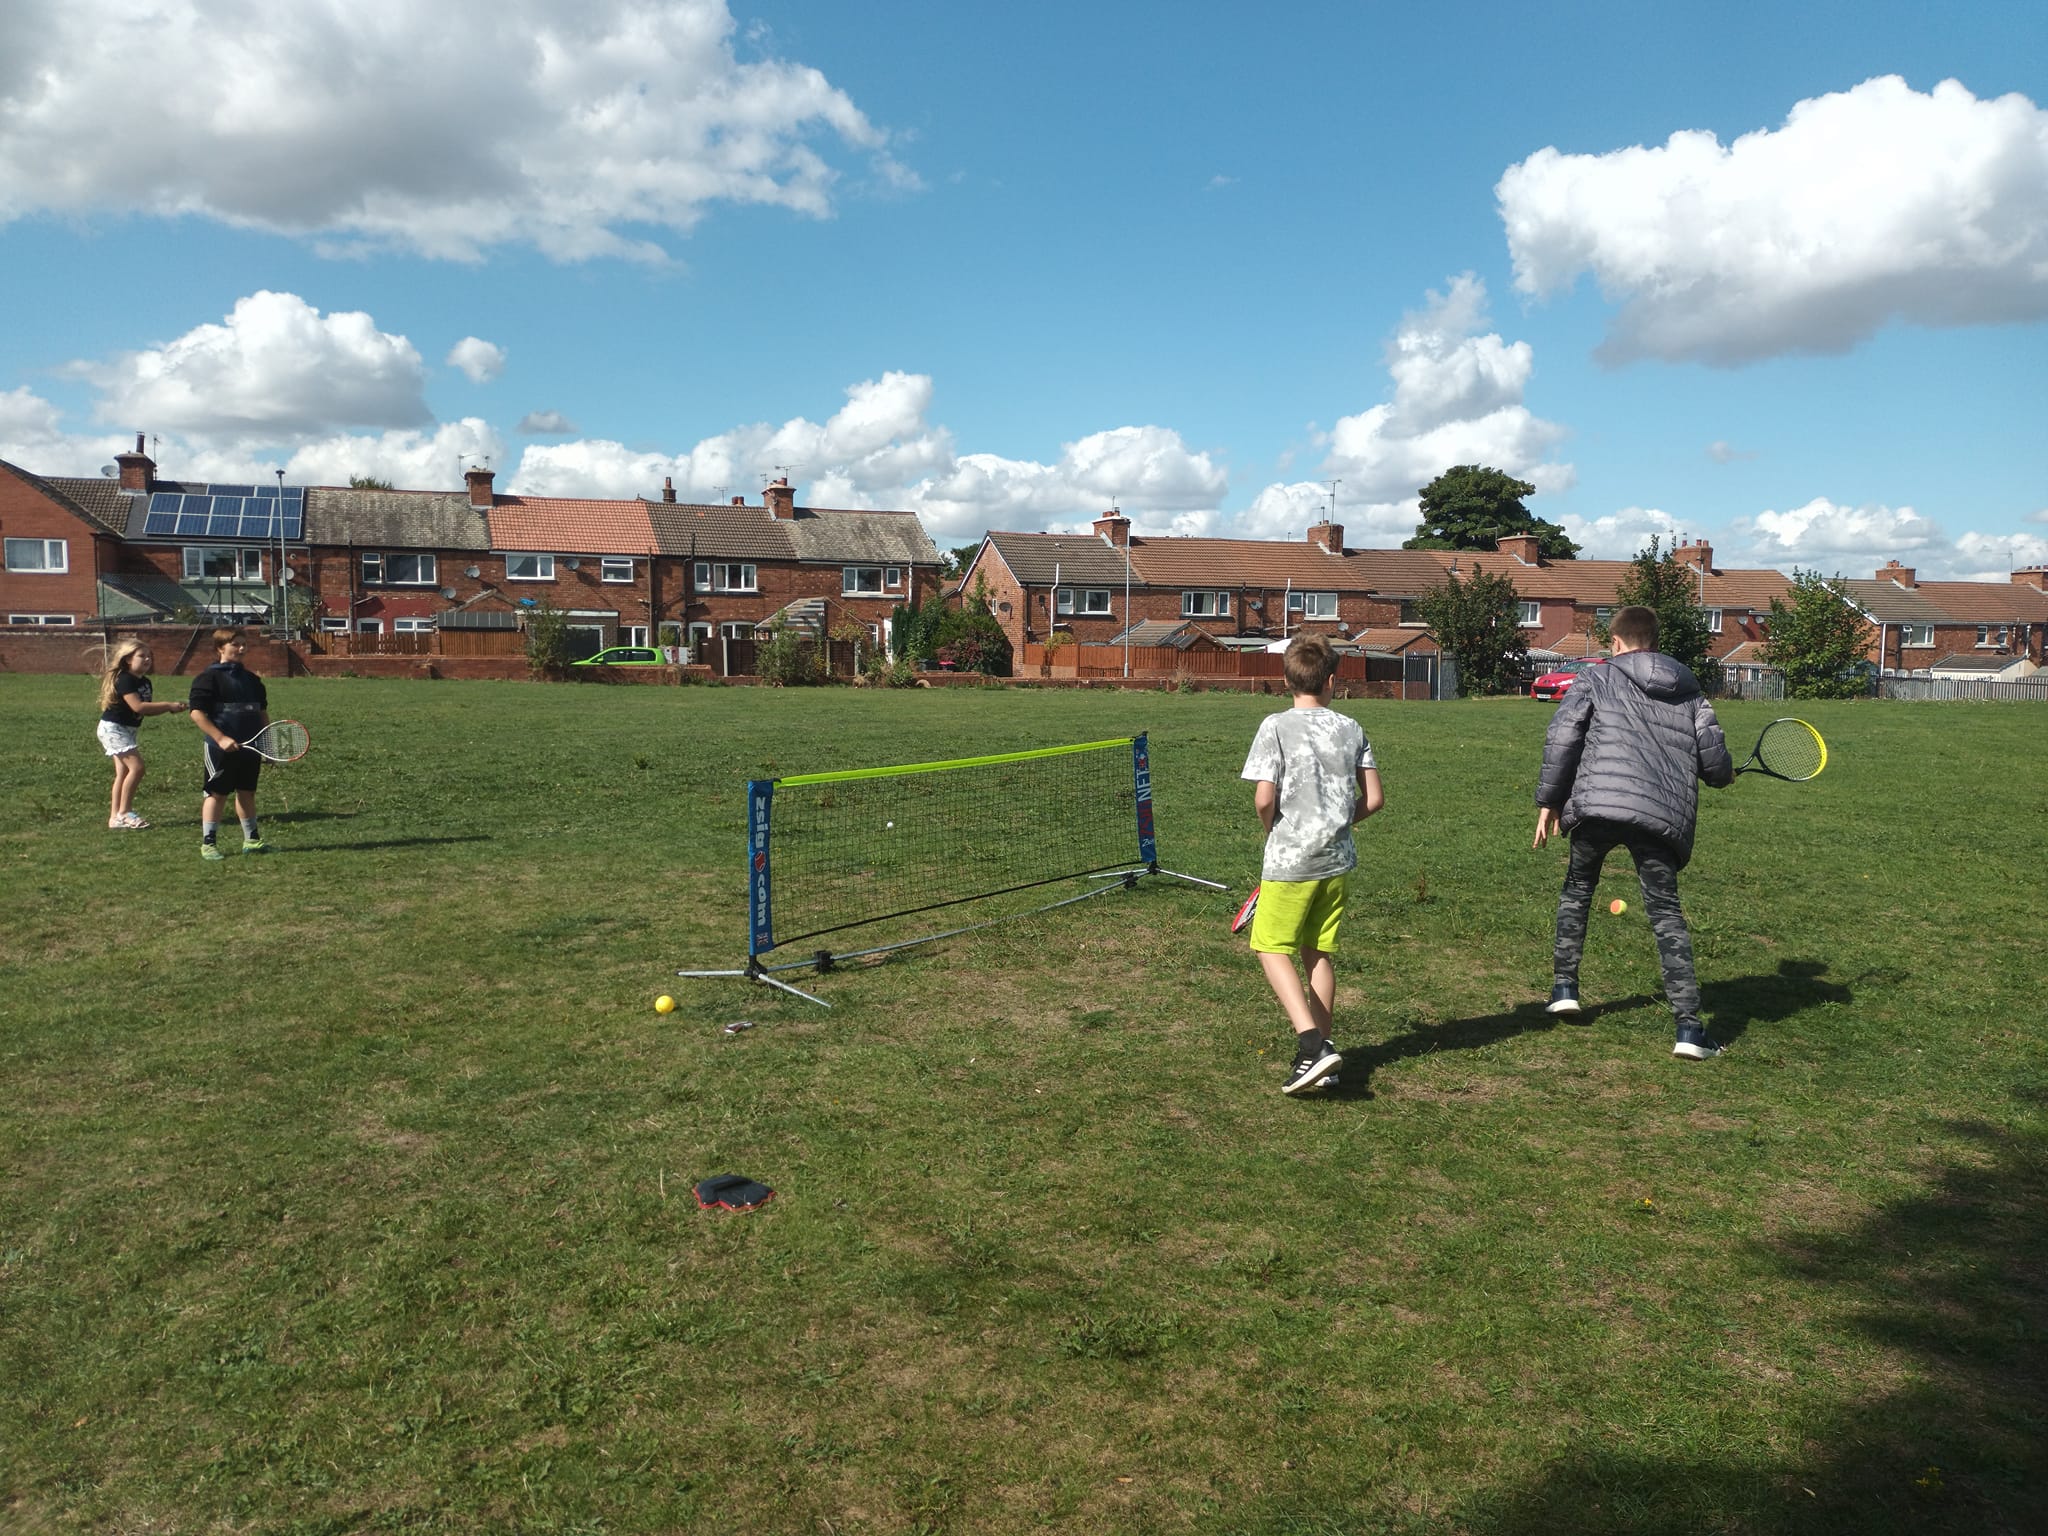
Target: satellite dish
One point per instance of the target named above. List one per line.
(111, 471)
(448, 593)
(472, 573)
(291, 573)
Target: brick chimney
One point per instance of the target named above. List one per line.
(2035, 576)
(668, 489)
(1699, 555)
(1328, 536)
(1115, 527)
(1893, 571)
(138, 469)
(479, 481)
(1525, 547)
(780, 500)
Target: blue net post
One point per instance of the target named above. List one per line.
(760, 902)
(1141, 779)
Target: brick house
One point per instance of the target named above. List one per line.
(56, 545)
(1963, 628)
(736, 567)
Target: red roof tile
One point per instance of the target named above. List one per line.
(569, 526)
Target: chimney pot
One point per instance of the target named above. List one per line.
(481, 496)
(668, 488)
(1115, 527)
(1893, 571)
(779, 499)
(138, 469)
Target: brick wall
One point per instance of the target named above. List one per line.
(26, 513)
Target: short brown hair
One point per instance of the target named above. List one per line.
(223, 637)
(1309, 663)
(1637, 625)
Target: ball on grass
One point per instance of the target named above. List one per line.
(1617, 906)
(888, 826)
(664, 1004)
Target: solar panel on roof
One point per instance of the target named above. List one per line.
(293, 524)
(267, 490)
(163, 513)
(257, 520)
(192, 524)
(226, 519)
(232, 490)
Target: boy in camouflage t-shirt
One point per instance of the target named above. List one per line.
(1316, 777)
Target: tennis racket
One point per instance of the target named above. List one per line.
(281, 741)
(1243, 920)
(1788, 749)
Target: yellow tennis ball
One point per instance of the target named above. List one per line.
(664, 1004)
(1617, 906)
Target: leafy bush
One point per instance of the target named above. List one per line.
(784, 660)
(547, 640)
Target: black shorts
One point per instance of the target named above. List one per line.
(227, 773)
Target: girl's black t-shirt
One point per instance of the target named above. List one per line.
(126, 686)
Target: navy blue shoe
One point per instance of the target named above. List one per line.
(1694, 1045)
(1564, 998)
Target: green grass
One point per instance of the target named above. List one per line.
(348, 1190)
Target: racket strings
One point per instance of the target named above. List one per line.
(1792, 749)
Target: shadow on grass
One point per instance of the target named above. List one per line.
(389, 842)
(278, 818)
(1951, 1282)
(1797, 985)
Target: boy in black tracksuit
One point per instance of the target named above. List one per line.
(1622, 763)
(229, 705)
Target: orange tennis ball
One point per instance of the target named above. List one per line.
(1617, 906)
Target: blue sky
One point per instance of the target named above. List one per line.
(1775, 276)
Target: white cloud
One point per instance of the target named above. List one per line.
(545, 424)
(1457, 399)
(477, 358)
(572, 125)
(430, 460)
(1727, 453)
(1622, 535)
(275, 370)
(1866, 206)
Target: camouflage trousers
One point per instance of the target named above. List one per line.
(1657, 869)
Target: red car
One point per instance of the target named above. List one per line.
(1551, 685)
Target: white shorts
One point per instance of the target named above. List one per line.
(119, 740)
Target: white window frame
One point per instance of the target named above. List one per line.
(1203, 603)
(1411, 614)
(369, 626)
(42, 620)
(543, 568)
(248, 563)
(1919, 637)
(1992, 637)
(718, 576)
(736, 629)
(1713, 621)
(1312, 605)
(1095, 602)
(634, 634)
(614, 567)
(333, 624)
(1528, 613)
(53, 556)
(415, 626)
(852, 577)
(378, 564)
(1063, 600)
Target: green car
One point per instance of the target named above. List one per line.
(624, 656)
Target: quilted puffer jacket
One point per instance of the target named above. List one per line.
(1628, 744)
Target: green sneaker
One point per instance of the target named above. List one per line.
(211, 851)
(254, 845)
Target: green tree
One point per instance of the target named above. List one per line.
(953, 563)
(547, 640)
(1470, 506)
(1672, 588)
(1818, 639)
(785, 659)
(972, 638)
(367, 483)
(911, 630)
(1477, 623)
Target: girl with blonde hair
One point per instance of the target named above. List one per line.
(124, 700)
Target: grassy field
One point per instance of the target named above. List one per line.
(348, 1189)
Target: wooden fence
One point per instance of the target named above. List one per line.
(1948, 688)
(1167, 661)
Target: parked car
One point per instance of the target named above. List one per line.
(623, 656)
(1551, 685)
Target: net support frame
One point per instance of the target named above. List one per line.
(760, 888)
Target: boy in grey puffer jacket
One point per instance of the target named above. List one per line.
(1621, 765)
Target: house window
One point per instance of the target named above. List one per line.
(1205, 605)
(412, 626)
(1990, 636)
(1713, 621)
(54, 620)
(1411, 612)
(369, 626)
(1063, 600)
(334, 626)
(49, 555)
(216, 563)
(615, 568)
(1095, 600)
(1916, 634)
(711, 576)
(1603, 617)
(743, 630)
(1529, 614)
(860, 581)
(633, 634)
(1313, 605)
(397, 570)
(529, 567)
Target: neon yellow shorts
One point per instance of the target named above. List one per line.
(1295, 915)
